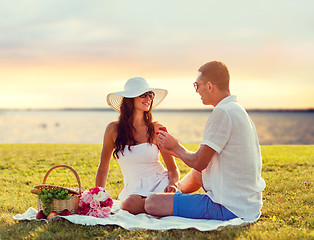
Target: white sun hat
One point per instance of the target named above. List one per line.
(135, 87)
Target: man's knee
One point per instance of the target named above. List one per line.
(131, 204)
(127, 203)
(196, 176)
(150, 204)
(160, 204)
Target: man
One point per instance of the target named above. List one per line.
(227, 165)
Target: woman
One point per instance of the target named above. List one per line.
(133, 141)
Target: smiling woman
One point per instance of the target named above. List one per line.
(144, 101)
(133, 141)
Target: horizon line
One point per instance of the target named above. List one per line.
(161, 109)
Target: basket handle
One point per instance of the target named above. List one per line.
(65, 166)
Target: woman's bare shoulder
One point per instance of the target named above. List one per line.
(112, 127)
(113, 124)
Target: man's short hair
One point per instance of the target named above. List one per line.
(217, 73)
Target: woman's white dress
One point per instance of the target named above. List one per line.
(142, 171)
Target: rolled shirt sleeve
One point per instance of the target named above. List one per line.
(217, 130)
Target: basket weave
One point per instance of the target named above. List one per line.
(59, 205)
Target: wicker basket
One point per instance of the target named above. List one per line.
(59, 205)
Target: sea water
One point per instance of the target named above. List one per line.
(87, 127)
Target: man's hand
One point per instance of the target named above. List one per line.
(167, 142)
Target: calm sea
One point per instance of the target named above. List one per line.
(87, 127)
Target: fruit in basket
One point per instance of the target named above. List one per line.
(51, 215)
(56, 198)
(65, 212)
(41, 215)
(47, 196)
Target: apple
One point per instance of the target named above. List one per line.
(163, 129)
(51, 215)
(65, 212)
(41, 215)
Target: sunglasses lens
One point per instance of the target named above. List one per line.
(150, 94)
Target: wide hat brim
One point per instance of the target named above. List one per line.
(114, 100)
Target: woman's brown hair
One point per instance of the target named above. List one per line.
(125, 128)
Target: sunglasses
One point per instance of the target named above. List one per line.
(197, 85)
(150, 94)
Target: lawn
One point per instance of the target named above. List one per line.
(288, 198)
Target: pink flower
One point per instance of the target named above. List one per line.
(93, 213)
(88, 198)
(100, 213)
(83, 208)
(94, 190)
(106, 211)
(84, 194)
(81, 203)
(94, 204)
(107, 203)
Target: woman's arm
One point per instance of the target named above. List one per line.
(107, 149)
(173, 171)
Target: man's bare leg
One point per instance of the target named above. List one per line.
(160, 204)
(134, 204)
(191, 182)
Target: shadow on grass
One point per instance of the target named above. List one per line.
(20, 229)
(62, 229)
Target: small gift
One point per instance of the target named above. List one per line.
(96, 202)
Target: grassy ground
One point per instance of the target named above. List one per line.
(288, 198)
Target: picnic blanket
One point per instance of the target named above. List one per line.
(129, 221)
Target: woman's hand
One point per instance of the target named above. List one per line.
(171, 188)
(173, 171)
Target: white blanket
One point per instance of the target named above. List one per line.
(129, 221)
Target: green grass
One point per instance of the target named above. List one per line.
(288, 198)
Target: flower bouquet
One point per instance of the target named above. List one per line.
(96, 202)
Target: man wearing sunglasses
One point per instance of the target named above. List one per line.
(227, 165)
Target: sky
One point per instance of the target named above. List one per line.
(71, 54)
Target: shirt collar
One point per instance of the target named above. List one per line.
(229, 99)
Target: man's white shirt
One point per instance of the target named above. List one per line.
(233, 177)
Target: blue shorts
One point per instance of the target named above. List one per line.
(199, 206)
